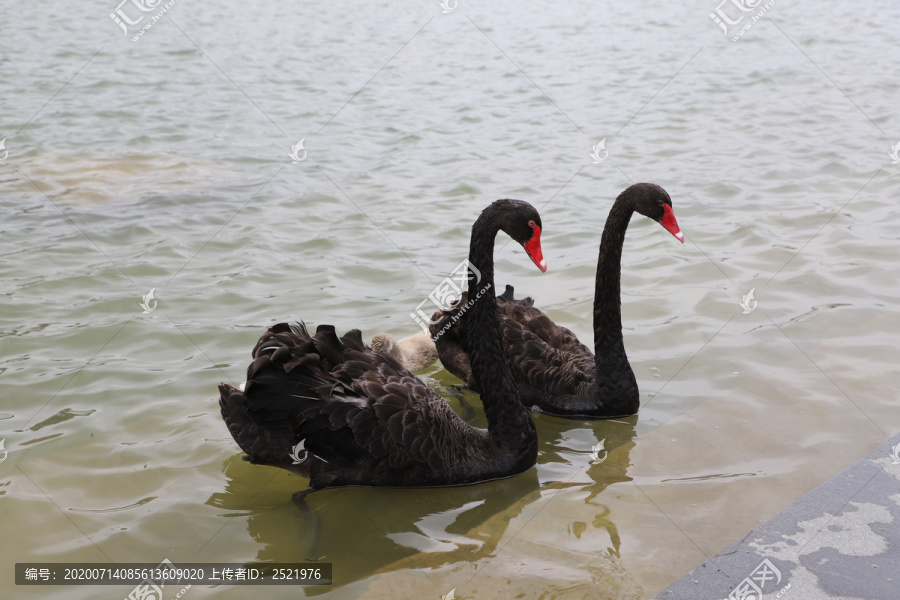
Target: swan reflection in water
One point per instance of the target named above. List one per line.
(457, 531)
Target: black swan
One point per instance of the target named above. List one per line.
(555, 373)
(341, 414)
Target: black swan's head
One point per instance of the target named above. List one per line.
(652, 201)
(522, 223)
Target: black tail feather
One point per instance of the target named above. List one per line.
(509, 294)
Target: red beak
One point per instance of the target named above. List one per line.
(671, 225)
(533, 249)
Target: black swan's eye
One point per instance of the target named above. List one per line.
(532, 224)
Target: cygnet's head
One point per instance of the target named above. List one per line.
(383, 342)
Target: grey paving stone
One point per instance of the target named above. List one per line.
(840, 541)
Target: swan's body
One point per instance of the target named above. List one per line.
(554, 372)
(414, 352)
(366, 420)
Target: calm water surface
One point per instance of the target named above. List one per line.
(164, 164)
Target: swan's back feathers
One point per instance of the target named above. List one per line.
(533, 319)
(353, 340)
(554, 372)
(363, 418)
(509, 295)
(527, 334)
(263, 442)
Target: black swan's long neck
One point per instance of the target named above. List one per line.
(508, 423)
(609, 347)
